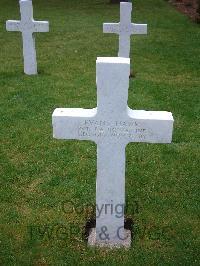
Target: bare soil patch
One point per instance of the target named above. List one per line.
(188, 7)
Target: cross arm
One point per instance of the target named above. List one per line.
(138, 28)
(70, 123)
(111, 28)
(41, 26)
(13, 25)
(151, 126)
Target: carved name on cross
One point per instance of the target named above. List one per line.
(27, 26)
(112, 125)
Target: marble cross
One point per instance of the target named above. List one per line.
(125, 29)
(27, 26)
(112, 125)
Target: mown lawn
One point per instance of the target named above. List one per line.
(47, 188)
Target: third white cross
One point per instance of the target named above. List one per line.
(125, 29)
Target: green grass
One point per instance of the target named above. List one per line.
(39, 174)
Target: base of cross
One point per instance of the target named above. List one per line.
(123, 243)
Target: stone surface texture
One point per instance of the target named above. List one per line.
(124, 243)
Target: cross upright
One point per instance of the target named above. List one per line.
(125, 29)
(27, 26)
(112, 125)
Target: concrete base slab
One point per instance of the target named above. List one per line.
(126, 243)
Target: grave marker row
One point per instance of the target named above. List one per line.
(111, 125)
(28, 26)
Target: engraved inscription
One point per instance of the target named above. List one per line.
(112, 28)
(115, 129)
(124, 29)
(27, 26)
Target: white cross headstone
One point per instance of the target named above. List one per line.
(112, 125)
(125, 29)
(28, 26)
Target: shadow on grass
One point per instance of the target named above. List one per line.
(11, 74)
(20, 73)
